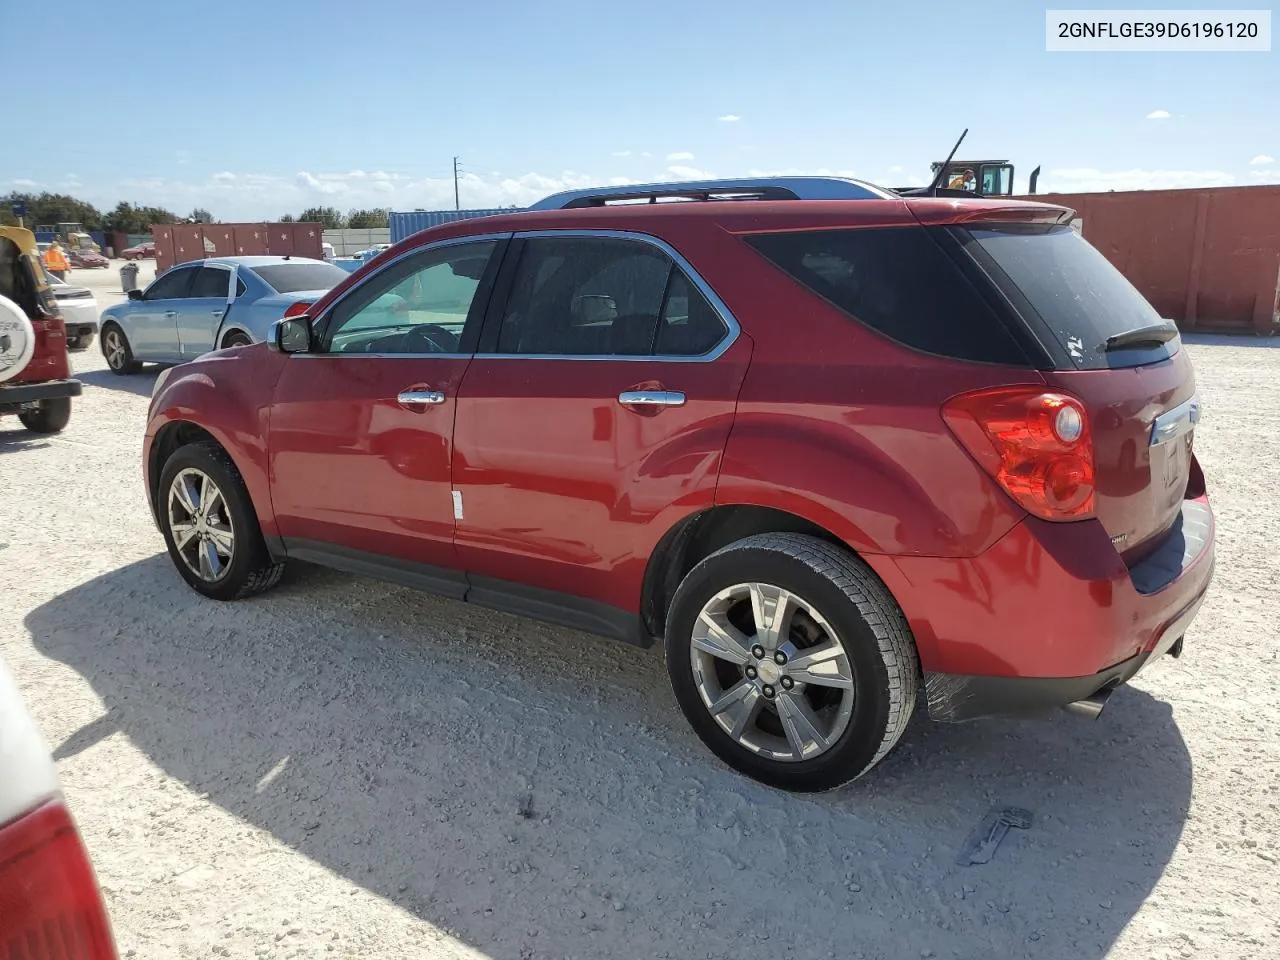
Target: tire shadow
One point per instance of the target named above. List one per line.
(497, 776)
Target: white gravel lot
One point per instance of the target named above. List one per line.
(343, 768)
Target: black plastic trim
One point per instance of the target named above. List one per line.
(44, 390)
(1182, 546)
(549, 606)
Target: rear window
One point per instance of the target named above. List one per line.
(1079, 297)
(900, 282)
(292, 277)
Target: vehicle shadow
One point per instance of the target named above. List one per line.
(504, 780)
(14, 436)
(140, 383)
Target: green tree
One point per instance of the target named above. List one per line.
(328, 217)
(287, 218)
(368, 219)
(200, 215)
(52, 208)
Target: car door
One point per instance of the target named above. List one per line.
(593, 417)
(362, 427)
(200, 313)
(151, 323)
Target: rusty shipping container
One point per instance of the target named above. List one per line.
(1208, 258)
(181, 242)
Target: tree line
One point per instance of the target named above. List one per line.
(51, 208)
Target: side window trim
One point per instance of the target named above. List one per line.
(475, 315)
(487, 348)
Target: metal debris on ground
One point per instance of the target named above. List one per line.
(982, 843)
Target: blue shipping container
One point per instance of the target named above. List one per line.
(406, 224)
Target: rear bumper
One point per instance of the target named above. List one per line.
(12, 394)
(1049, 614)
(79, 328)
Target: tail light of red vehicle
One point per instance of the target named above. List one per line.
(50, 905)
(298, 309)
(1036, 445)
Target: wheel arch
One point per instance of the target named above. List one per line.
(700, 534)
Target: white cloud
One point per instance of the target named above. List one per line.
(1159, 115)
(729, 118)
(1091, 180)
(682, 155)
(622, 153)
(646, 154)
(22, 184)
(1262, 160)
(896, 168)
(689, 173)
(226, 176)
(802, 172)
(1265, 176)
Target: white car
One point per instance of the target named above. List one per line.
(79, 309)
(50, 903)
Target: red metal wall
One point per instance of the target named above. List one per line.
(1209, 259)
(181, 242)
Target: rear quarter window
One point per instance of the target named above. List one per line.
(901, 283)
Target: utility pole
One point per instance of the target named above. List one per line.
(457, 204)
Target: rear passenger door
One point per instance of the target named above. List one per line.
(592, 417)
(201, 313)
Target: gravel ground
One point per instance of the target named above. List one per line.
(344, 768)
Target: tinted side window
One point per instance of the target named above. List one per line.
(898, 281)
(419, 305)
(172, 285)
(690, 326)
(210, 282)
(585, 296)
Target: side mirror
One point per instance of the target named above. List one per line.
(135, 294)
(291, 335)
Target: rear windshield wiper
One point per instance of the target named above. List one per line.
(1153, 335)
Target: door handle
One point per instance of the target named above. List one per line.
(218, 313)
(171, 313)
(651, 398)
(420, 398)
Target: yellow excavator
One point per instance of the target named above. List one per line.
(970, 178)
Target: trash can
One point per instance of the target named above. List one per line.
(129, 277)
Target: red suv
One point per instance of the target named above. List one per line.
(833, 445)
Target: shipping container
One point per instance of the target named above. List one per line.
(1208, 258)
(406, 224)
(181, 242)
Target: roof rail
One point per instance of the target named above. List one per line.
(755, 188)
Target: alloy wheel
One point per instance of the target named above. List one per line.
(113, 341)
(200, 523)
(772, 672)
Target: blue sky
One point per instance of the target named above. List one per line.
(253, 109)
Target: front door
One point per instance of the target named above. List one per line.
(201, 312)
(594, 417)
(362, 427)
(152, 322)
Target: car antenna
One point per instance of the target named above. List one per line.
(942, 170)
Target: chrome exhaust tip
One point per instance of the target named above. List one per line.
(1090, 706)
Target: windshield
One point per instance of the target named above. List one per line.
(1080, 298)
(292, 277)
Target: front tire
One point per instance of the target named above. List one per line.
(236, 339)
(210, 526)
(117, 352)
(51, 416)
(791, 661)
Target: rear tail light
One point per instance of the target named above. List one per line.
(1035, 444)
(50, 906)
(298, 309)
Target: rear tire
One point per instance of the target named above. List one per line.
(810, 707)
(117, 352)
(236, 339)
(51, 416)
(210, 526)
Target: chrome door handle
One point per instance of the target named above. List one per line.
(420, 398)
(651, 398)
(171, 313)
